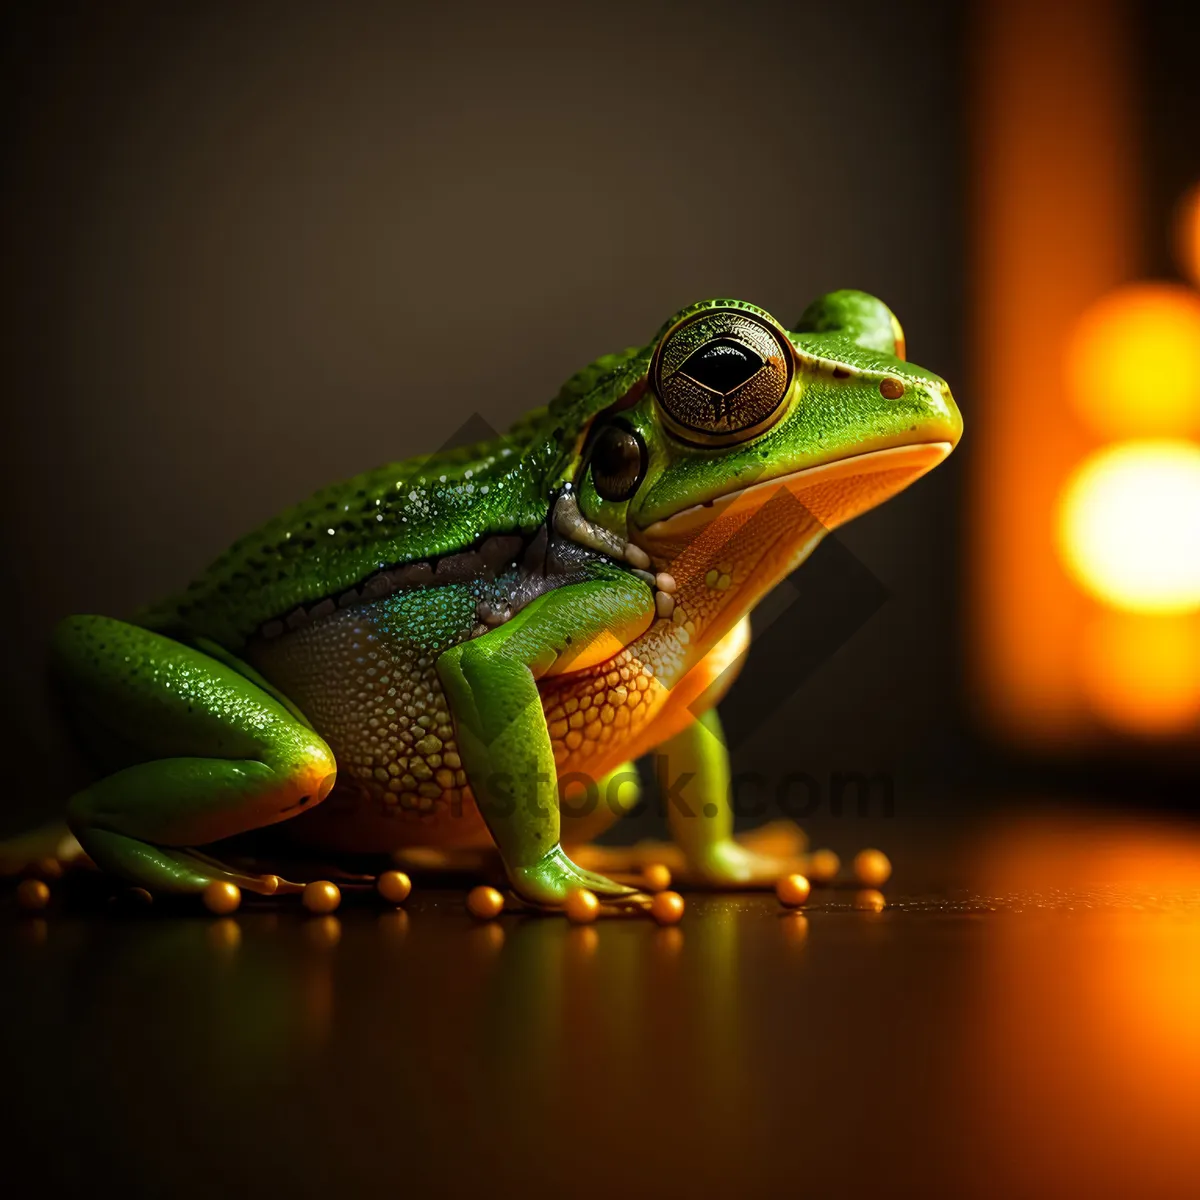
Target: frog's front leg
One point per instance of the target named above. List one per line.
(700, 811)
(491, 686)
(213, 755)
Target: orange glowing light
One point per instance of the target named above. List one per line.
(1133, 361)
(1142, 674)
(1129, 526)
(1056, 222)
(1187, 234)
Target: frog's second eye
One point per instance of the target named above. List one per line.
(722, 375)
(618, 462)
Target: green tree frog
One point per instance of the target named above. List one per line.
(419, 656)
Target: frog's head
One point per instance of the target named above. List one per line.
(727, 448)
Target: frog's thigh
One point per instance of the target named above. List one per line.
(221, 756)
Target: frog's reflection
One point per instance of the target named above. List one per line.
(515, 1037)
(599, 1027)
(226, 999)
(430, 1017)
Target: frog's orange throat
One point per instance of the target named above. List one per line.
(724, 556)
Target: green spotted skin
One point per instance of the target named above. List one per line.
(179, 700)
(400, 513)
(342, 535)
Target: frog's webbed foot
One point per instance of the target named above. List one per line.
(552, 878)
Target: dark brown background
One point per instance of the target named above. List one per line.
(251, 250)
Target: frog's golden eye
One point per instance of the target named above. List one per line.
(721, 375)
(618, 461)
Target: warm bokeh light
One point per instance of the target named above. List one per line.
(1129, 526)
(1133, 361)
(1055, 223)
(1141, 673)
(1187, 234)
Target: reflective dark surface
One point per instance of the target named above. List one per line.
(1036, 1033)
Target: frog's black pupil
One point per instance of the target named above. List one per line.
(722, 365)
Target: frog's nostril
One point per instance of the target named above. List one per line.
(891, 388)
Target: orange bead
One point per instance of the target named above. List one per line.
(656, 877)
(33, 895)
(582, 907)
(869, 900)
(872, 868)
(321, 896)
(485, 903)
(667, 908)
(394, 886)
(792, 890)
(823, 866)
(222, 897)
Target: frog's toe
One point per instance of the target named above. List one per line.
(552, 878)
(171, 869)
(603, 886)
(264, 884)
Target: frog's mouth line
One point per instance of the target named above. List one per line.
(821, 489)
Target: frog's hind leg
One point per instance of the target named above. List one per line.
(216, 755)
(694, 767)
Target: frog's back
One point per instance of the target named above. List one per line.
(328, 548)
